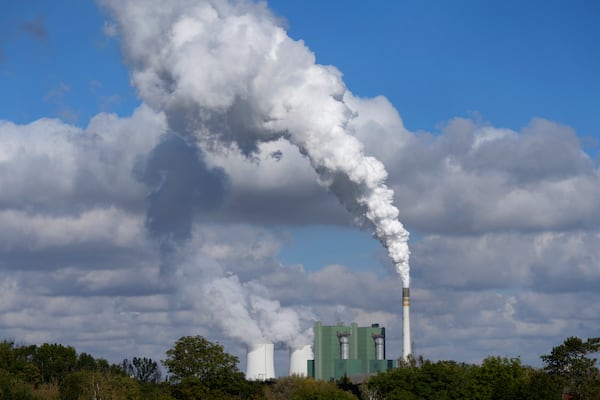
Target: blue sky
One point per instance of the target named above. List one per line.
(435, 60)
(490, 138)
(69, 49)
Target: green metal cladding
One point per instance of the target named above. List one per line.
(362, 356)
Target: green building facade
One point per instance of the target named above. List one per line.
(342, 350)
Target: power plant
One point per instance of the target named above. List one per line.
(339, 350)
(310, 112)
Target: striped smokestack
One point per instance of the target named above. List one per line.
(406, 321)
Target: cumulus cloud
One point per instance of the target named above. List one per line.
(52, 167)
(471, 179)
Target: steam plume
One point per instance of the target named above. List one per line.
(225, 72)
(182, 185)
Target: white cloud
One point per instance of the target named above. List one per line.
(35, 232)
(50, 166)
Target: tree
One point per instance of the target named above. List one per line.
(570, 365)
(299, 388)
(99, 385)
(142, 369)
(86, 362)
(421, 379)
(500, 378)
(18, 361)
(12, 387)
(541, 386)
(199, 368)
(55, 361)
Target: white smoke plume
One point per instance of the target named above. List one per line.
(242, 310)
(269, 322)
(225, 74)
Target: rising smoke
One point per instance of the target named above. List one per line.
(226, 74)
(243, 310)
(180, 185)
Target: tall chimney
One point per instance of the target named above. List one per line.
(299, 357)
(260, 362)
(406, 321)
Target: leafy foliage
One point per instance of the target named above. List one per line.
(298, 388)
(98, 385)
(55, 361)
(423, 380)
(11, 387)
(199, 368)
(197, 357)
(497, 378)
(142, 369)
(570, 365)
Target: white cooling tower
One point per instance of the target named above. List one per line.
(260, 362)
(299, 357)
(406, 321)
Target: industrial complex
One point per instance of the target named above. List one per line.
(337, 351)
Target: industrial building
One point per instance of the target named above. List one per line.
(341, 350)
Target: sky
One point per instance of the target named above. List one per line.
(192, 167)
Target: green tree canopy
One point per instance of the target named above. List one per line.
(99, 385)
(142, 369)
(197, 357)
(199, 368)
(570, 364)
(422, 379)
(499, 378)
(298, 388)
(55, 361)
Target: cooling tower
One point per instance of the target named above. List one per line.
(299, 357)
(406, 321)
(260, 362)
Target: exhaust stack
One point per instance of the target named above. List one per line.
(299, 357)
(379, 340)
(260, 362)
(406, 322)
(344, 345)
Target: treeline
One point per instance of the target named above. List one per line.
(200, 369)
